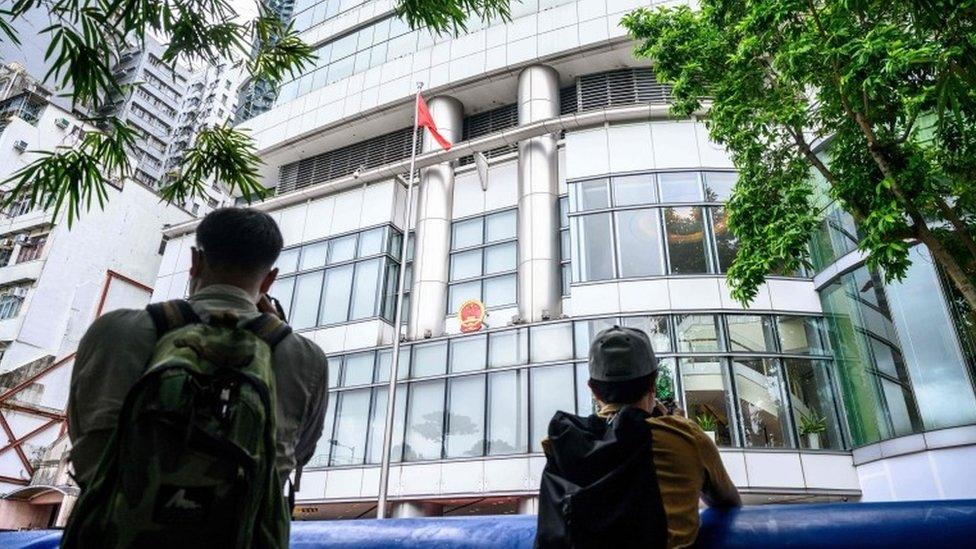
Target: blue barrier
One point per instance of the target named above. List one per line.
(935, 524)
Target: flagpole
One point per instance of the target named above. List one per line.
(398, 319)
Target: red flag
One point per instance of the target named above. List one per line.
(425, 120)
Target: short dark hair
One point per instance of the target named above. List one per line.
(242, 240)
(623, 392)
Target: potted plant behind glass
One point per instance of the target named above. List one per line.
(708, 423)
(812, 427)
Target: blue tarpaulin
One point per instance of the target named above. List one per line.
(930, 524)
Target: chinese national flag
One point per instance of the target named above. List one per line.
(425, 120)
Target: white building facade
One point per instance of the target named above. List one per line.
(597, 209)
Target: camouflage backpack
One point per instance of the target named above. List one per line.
(192, 460)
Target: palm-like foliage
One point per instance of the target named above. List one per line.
(85, 40)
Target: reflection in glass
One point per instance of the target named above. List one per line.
(430, 359)
(594, 257)
(342, 249)
(751, 333)
(551, 342)
(468, 353)
(629, 190)
(800, 335)
(686, 240)
(377, 422)
(551, 391)
(718, 185)
(320, 456)
(465, 417)
(308, 288)
(338, 291)
(679, 187)
(508, 348)
(501, 226)
(639, 243)
(697, 333)
(726, 244)
(665, 388)
(349, 442)
(591, 195)
(358, 369)
(508, 411)
(366, 289)
(812, 396)
(704, 388)
(656, 328)
(762, 413)
(425, 421)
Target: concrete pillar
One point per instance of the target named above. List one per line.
(414, 509)
(539, 292)
(428, 300)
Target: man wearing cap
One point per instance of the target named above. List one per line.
(631, 475)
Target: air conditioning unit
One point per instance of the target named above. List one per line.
(62, 123)
(19, 291)
(20, 145)
(21, 239)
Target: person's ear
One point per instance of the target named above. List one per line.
(269, 280)
(196, 261)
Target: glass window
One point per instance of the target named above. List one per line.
(335, 372)
(551, 391)
(585, 403)
(377, 423)
(563, 211)
(718, 185)
(358, 369)
(814, 408)
(501, 226)
(629, 190)
(459, 293)
(320, 457)
(288, 261)
(425, 421)
(342, 249)
(282, 290)
(467, 233)
(639, 243)
(469, 353)
(762, 413)
(366, 289)
(508, 348)
(551, 342)
(586, 331)
(371, 242)
(591, 195)
(430, 359)
(679, 187)
(594, 256)
(465, 417)
(501, 258)
(725, 244)
(308, 288)
(465, 265)
(338, 290)
(800, 335)
(349, 442)
(656, 328)
(697, 333)
(686, 240)
(705, 397)
(314, 255)
(666, 389)
(500, 291)
(508, 411)
(751, 333)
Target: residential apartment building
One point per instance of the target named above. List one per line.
(258, 96)
(54, 280)
(598, 208)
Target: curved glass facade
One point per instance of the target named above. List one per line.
(758, 376)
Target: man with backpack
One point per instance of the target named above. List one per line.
(187, 418)
(631, 475)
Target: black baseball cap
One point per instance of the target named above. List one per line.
(621, 354)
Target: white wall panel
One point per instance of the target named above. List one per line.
(694, 293)
(318, 219)
(630, 147)
(502, 186)
(793, 295)
(420, 480)
(587, 153)
(507, 475)
(644, 295)
(378, 204)
(735, 466)
(292, 224)
(592, 299)
(348, 211)
(774, 470)
(675, 144)
(463, 477)
(712, 154)
(829, 471)
(312, 486)
(344, 483)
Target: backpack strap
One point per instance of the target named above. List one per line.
(170, 315)
(269, 328)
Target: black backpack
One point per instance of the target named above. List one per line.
(599, 487)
